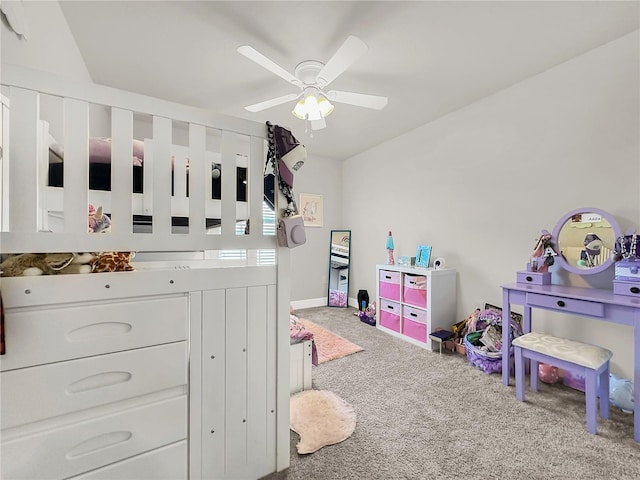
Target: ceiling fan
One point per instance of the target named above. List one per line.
(312, 77)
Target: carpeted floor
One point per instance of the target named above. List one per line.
(425, 416)
(329, 345)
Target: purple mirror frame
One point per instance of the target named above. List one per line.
(556, 235)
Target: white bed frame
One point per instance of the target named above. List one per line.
(219, 379)
(301, 366)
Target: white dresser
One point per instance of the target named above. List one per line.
(92, 389)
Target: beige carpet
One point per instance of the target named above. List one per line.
(321, 418)
(329, 345)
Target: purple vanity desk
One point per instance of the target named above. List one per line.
(588, 302)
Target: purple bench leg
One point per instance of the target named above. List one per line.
(533, 371)
(604, 394)
(590, 391)
(519, 359)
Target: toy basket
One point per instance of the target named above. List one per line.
(487, 360)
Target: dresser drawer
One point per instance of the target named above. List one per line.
(36, 393)
(85, 446)
(631, 289)
(166, 463)
(567, 305)
(42, 336)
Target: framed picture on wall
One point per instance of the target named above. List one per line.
(311, 209)
(423, 256)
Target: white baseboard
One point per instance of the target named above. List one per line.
(309, 303)
(318, 302)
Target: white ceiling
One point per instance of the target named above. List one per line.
(429, 58)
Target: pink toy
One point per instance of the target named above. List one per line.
(548, 373)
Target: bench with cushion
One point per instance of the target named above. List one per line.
(590, 361)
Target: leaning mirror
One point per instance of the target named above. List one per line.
(339, 256)
(585, 239)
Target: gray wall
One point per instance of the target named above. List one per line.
(479, 184)
(310, 262)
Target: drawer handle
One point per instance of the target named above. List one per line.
(389, 307)
(99, 442)
(413, 314)
(99, 380)
(97, 330)
(387, 277)
(561, 303)
(529, 278)
(634, 290)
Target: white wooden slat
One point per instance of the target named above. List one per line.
(4, 171)
(161, 175)
(272, 373)
(236, 381)
(199, 176)
(213, 383)
(76, 165)
(255, 177)
(229, 174)
(43, 176)
(121, 170)
(283, 353)
(23, 152)
(197, 428)
(258, 416)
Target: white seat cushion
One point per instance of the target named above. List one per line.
(584, 354)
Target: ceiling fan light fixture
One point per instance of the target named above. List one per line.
(325, 106)
(312, 106)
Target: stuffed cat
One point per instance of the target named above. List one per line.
(30, 264)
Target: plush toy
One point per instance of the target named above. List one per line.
(98, 221)
(113, 262)
(621, 393)
(30, 264)
(548, 373)
(369, 314)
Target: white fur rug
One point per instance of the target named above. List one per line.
(320, 418)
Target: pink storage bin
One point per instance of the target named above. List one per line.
(390, 285)
(414, 324)
(390, 315)
(415, 290)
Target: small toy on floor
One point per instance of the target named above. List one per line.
(369, 314)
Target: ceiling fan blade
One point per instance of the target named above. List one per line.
(350, 51)
(255, 56)
(358, 99)
(257, 107)
(318, 124)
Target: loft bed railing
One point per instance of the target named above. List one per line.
(30, 206)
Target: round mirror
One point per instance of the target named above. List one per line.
(585, 239)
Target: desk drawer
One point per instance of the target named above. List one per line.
(93, 443)
(32, 394)
(567, 305)
(631, 289)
